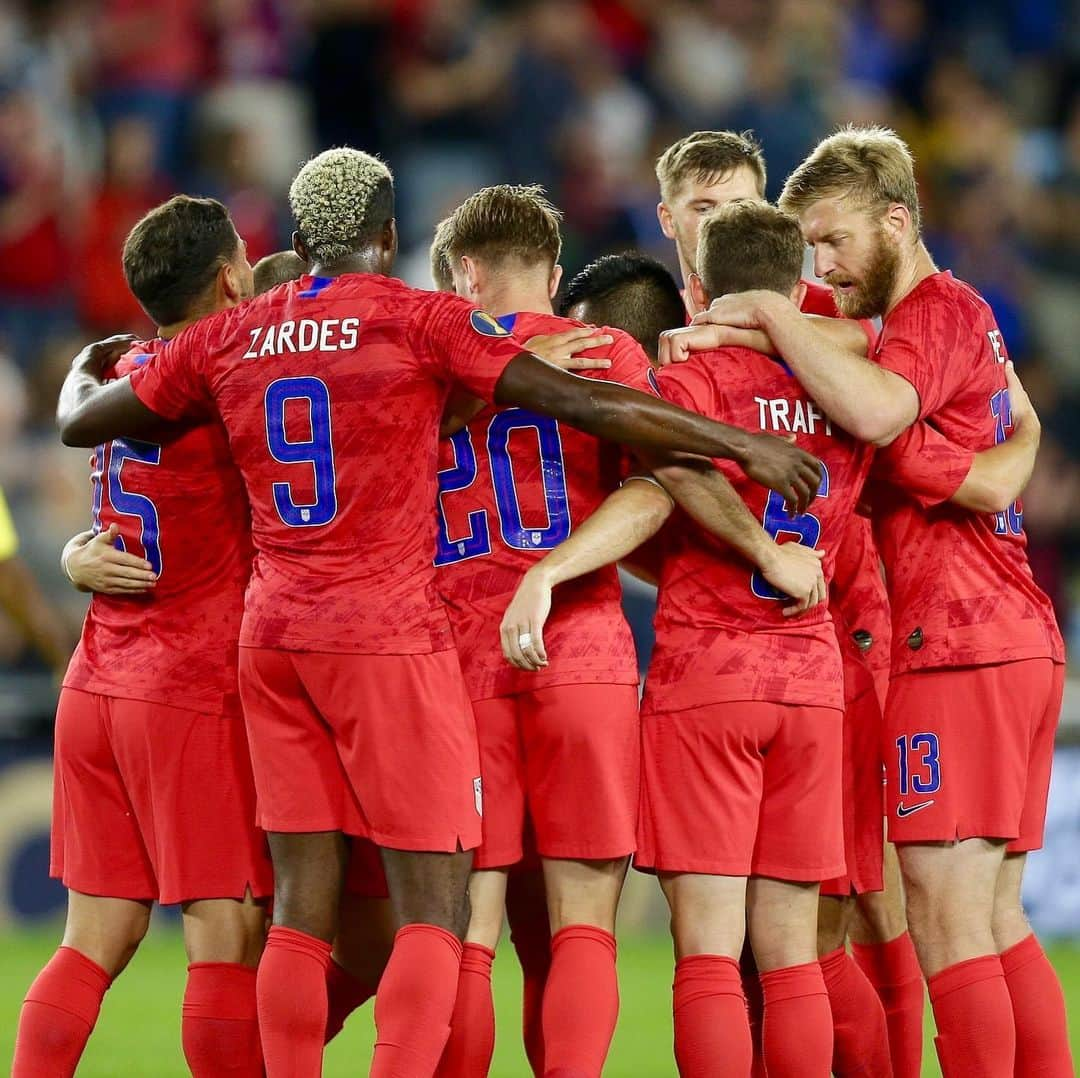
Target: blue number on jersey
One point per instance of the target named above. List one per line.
(461, 476)
(127, 502)
(514, 532)
(805, 527)
(929, 757)
(1010, 522)
(318, 450)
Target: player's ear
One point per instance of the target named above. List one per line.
(555, 281)
(389, 245)
(696, 294)
(798, 294)
(897, 221)
(667, 223)
(473, 274)
(229, 285)
(300, 248)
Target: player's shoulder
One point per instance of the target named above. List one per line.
(819, 299)
(139, 354)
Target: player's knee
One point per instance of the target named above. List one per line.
(584, 892)
(834, 916)
(879, 917)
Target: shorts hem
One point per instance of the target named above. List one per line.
(97, 890)
(483, 860)
(303, 827)
(572, 852)
(424, 843)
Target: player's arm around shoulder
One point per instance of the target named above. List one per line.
(620, 524)
(90, 410)
(870, 402)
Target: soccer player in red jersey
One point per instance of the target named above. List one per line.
(977, 659)
(512, 485)
(154, 799)
(352, 693)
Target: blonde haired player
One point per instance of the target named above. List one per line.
(977, 657)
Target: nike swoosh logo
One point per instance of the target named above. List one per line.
(904, 810)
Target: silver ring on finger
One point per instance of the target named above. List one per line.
(524, 640)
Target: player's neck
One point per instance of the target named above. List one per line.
(368, 260)
(510, 300)
(911, 273)
(174, 329)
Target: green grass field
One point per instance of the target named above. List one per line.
(139, 1029)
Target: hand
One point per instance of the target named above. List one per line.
(94, 564)
(101, 355)
(736, 309)
(796, 570)
(561, 349)
(525, 617)
(1023, 411)
(676, 345)
(777, 464)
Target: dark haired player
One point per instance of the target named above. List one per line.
(154, 799)
(352, 694)
(632, 291)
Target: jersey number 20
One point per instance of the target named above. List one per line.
(514, 532)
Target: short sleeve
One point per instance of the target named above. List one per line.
(918, 343)
(925, 464)
(9, 540)
(630, 365)
(690, 386)
(173, 382)
(466, 344)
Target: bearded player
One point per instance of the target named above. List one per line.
(977, 659)
(352, 694)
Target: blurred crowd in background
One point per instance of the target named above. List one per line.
(108, 107)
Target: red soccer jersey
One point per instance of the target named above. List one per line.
(331, 389)
(961, 588)
(857, 591)
(181, 505)
(720, 631)
(512, 484)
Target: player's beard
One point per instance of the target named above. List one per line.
(870, 296)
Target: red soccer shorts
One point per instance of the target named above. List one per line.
(864, 822)
(572, 754)
(968, 752)
(380, 746)
(743, 789)
(154, 802)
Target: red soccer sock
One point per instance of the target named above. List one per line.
(976, 1036)
(581, 1001)
(471, 1043)
(292, 1002)
(58, 1016)
(796, 1032)
(1042, 1034)
(860, 1035)
(712, 1034)
(532, 942)
(415, 1001)
(755, 1005)
(344, 994)
(893, 969)
(221, 1021)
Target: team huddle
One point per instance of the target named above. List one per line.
(356, 663)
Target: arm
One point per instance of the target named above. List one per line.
(933, 469)
(705, 495)
(92, 563)
(621, 523)
(40, 622)
(608, 410)
(90, 412)
(842, 332)
(871, 403)
(560, 349)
